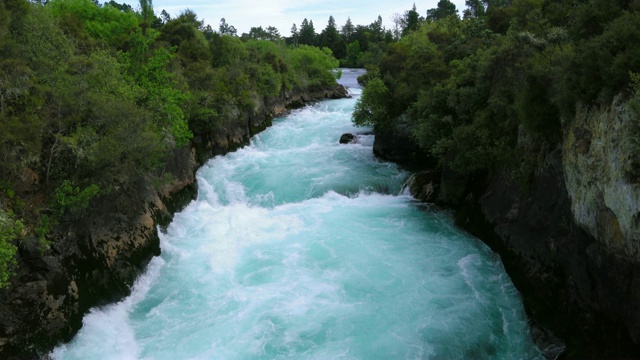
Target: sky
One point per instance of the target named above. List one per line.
(243, 14)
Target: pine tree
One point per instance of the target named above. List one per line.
(348, 30)
(307, 33)
(411, 20)
(330, 38)
(226, 29)
(294, 35)
(146, 10)
(377, 31)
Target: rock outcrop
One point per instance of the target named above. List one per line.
(95, 260)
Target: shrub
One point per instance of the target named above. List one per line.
(371, 108)
(10, 230)
(73, 199)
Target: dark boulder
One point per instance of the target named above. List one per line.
(340, 92)
(347, 138)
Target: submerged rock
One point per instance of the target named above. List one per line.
(347, 138)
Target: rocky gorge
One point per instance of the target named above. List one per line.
(566, 229)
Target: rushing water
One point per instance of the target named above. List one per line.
(298, 247)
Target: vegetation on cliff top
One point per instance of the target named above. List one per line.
(92, 97)
(468, 85)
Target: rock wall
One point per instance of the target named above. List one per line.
(575, 279)
(95, 260)
(604, 202)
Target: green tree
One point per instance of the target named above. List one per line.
(121, 7)
(445, 8)
(73, 199)
(146, 12)
(89, 23)
(18, 117)
(226, 29)
(363, 36)
(377, 30)
(164, 15)
(411, 20)
(330, 38)
(163, 97)
(313, 66)
(102, 136)
(348, 31)
(475, 8)
(186, 33)
(353, 54)
(371, 107)
(258, 33)
(273, 34)
(295, 35)
(307, 35)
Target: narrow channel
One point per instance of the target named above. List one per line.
(298, 247)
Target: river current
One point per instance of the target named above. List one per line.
(298, 247)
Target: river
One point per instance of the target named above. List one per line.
(298, 247)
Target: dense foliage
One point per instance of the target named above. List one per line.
(92, 97)
(469, 86)
(353, 45)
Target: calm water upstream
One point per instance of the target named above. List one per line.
(298, 247)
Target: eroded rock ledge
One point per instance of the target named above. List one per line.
(95, 260)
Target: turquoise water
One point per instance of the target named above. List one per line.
(298, 247)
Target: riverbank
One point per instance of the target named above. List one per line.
(96, 260)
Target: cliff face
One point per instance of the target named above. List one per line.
(96, 260)
(571, 241)
(606, 204)
(567, 230)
